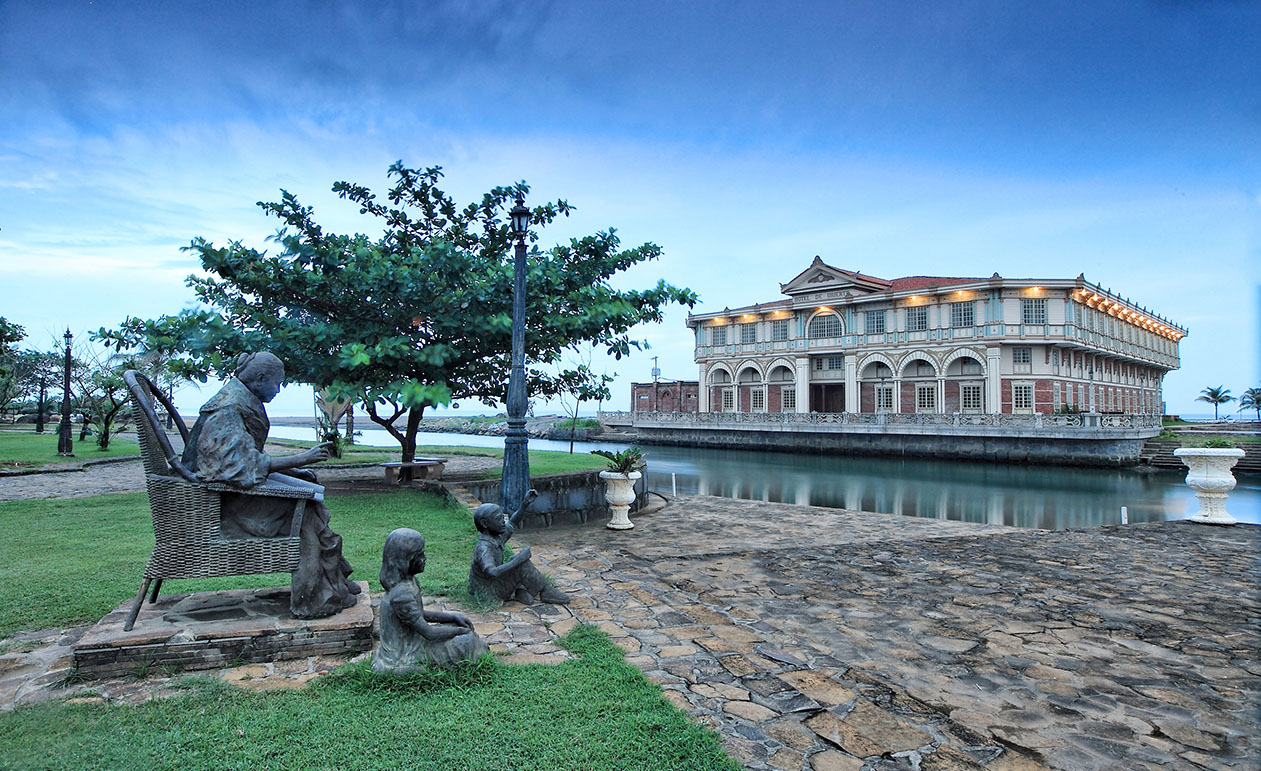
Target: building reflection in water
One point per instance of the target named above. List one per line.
(1024, 496)
(1021, 496)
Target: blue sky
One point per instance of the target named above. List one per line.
(1118, 139)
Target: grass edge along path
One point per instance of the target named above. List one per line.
(594, 711)
(70, 561)
(542, 462)
(27, 449)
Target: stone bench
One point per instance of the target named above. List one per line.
(420, 468)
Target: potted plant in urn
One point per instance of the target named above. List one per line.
(619, 483)
(1209, 476)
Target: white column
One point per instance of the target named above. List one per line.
(993, 380)
(851, 384)
(803, 383)
(941, 394)
(702, 394)
(897, 394)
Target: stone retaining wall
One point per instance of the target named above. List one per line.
(1011, 449)
(567, 498)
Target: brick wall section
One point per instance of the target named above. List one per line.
(952, 397)
(681, 396)
(908, 397)
(866, 397)
(1042, 397)
(775, 398)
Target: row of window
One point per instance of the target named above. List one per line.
(971, 398)
(757, 400)
(962, 314)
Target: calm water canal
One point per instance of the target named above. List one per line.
(1023, 496)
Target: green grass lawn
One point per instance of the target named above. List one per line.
(592, 712)
(69, 562)
(23, 448)
(542, 462)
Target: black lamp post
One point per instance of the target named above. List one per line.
(65, 443)
(39, 408)
(516, 473)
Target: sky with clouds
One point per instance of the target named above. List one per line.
(1118, 139)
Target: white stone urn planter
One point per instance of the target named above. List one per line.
(619, 491)
(1209, 476)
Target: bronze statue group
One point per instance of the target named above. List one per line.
(226, 446)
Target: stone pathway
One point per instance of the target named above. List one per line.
(125, 476)
(843, 640)
(825, 639)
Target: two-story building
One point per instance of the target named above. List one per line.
(842, 341)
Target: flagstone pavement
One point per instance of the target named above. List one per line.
(817, 638)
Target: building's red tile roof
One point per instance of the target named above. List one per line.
(927, 282)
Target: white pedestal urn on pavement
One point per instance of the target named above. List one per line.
(1209, 476)
(619, 491)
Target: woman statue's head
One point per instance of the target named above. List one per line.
(262, 373)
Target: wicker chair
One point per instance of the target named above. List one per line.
(186, 511)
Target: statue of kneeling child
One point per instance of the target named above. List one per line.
(413, 638)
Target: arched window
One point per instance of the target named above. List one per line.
(825, 325)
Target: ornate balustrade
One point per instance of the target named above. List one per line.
(1088, 423)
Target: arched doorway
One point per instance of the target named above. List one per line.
(965, 384)
(781, 390)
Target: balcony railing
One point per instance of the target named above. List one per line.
(1087, 421)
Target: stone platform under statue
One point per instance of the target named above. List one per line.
(208, 630)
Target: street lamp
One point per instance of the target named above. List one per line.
(39, 409)
(516, 472)
(65, 444)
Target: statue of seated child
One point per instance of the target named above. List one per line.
(413, 638)
(515, 579)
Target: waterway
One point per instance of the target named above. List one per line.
(1021, 496)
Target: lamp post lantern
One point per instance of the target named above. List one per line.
(516, 472)
(65, 443)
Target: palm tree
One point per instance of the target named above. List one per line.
(1215, 396)
(1251, 400)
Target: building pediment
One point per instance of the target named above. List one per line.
(821, 277)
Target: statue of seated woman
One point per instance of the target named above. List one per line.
(413, 638)
(515, 579)
(226, 445)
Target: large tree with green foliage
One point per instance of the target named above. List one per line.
(416, 317)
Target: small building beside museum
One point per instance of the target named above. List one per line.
(845, 342)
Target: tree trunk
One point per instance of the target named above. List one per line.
(409, 443)
(573, 425)
(350, 424)
(106, 422)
